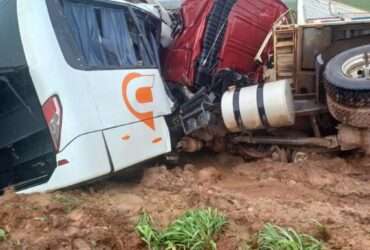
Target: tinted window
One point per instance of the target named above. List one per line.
(106, 35)
(11, 50)
(148, 26)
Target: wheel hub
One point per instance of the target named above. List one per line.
(358, 67)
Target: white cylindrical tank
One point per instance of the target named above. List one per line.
(258, 107)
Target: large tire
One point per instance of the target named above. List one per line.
(355, 117)
(343, 89)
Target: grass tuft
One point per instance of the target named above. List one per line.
(69, 202)
(195, 230)
(2, 234)
(148, 233)
(322, 232)
(276, 238)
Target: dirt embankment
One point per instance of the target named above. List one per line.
(330, 191)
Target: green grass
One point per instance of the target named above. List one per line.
(362, 4)
(2, 234)
(276, 238)
(291, 3)
(148, 233)
(195, 230)
(68, 202)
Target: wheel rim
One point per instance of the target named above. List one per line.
(358, 67)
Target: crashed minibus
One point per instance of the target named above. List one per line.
(81, 92)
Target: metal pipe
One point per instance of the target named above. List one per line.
(328, 142)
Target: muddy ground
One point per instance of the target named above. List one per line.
(334, 192)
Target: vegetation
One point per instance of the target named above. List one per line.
(290, 3)
(148, 233)
(69, 202)
(2, 234)
(276, 238)
(362, 4)
(322, 232)
(195, 230)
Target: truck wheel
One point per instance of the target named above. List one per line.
(355, 117)
(348, 77)
(347, 82)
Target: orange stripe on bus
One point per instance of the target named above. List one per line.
(157, 140)
(126, 137)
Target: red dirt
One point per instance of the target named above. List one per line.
(331, 191)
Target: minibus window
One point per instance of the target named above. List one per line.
(148, 26)
(108, 37)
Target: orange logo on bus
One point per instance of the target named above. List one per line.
(137, 93)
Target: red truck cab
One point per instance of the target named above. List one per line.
(219, 34)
